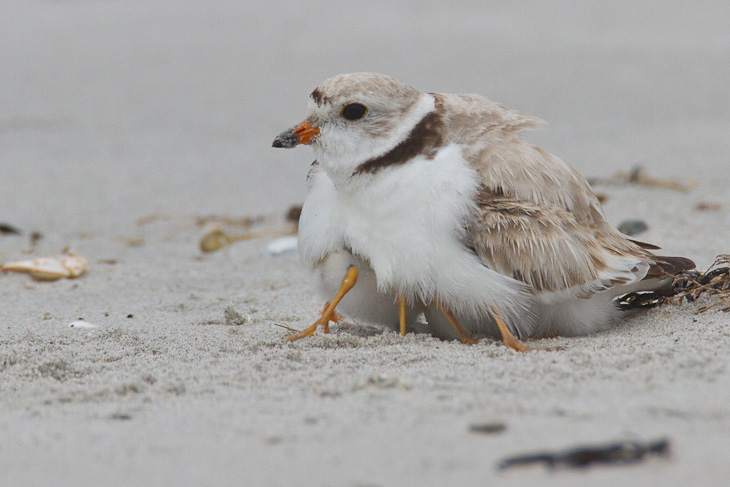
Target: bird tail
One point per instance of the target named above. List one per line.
(669, 267)
(660, 283)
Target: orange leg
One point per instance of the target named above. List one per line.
(507, 337)
(402, 315)
(329, 312)
(463, 335)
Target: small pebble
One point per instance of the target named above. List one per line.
(487, 428)
(294, 213)
(121, 416)
(233, 317)
(633, 227)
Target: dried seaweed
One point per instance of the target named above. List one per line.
(687, 287)
(707, 206)
(245, 222)
(8, 229)
(488, 428)
(638, 176)
(613, 453)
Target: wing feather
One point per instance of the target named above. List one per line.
(538, 220)
(550, 250)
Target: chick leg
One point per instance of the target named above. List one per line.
(463, 335)
(402, 315)
(507, 337)
(347, 283)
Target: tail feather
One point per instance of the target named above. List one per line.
(659, 283)
(669, 266)
(644, 245)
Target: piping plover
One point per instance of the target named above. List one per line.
(443, 208)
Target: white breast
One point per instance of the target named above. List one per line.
(408, 221)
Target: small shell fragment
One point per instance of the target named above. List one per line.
(282, 246)
(214, 240)
(49, 268)
(81, 324)
(75, 264)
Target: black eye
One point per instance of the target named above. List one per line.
(354, 111)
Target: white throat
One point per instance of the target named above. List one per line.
(341, 156)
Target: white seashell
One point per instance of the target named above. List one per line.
(43, 268)
(281, 246)
(81, 324)
(49, 268)
(75, 264)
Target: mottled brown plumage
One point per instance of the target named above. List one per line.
(537, 219)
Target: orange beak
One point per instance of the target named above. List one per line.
(301, 134)
(305, 132)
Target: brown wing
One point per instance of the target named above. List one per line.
(508, 164)
(539, 220)
(550, 250)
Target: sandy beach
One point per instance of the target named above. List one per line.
(127, 127)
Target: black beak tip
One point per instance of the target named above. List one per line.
(286, 140)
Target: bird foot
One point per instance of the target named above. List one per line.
(334, 317)
(329, 313)
(507, 337)
(307, 332)
(513, 343)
